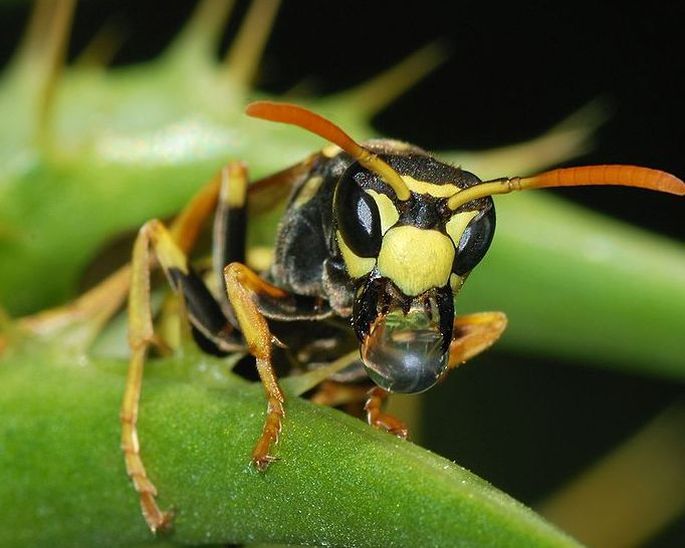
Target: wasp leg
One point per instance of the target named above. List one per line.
(377, 418)
(216, 322)
(140, 337)
(268, 193)
(244, 287)
(474, 333)
(203, 312)
(229, 231)
(237, 201)
(230, 218)
(351, 397)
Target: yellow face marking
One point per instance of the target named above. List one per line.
(388, 212)
(356, 266)
(308, 190)
(457, 224)
(416, 259)
(435, 190)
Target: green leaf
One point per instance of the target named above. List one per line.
(337, 481)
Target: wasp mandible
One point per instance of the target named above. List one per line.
(376, 241)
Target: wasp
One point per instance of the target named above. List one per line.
(375, 242)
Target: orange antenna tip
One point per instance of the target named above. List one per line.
(618, 175)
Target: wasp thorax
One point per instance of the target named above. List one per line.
(404, 353)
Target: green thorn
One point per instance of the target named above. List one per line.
(373, 96)
(199, 38)
(242, 60)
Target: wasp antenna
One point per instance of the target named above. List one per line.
(618, 175)
(243, 57)
(287, 113)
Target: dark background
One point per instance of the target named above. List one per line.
(515, 70)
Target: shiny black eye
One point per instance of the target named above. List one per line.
(358, 219)
(474, 242)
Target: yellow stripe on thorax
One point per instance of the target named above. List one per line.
(433, 189)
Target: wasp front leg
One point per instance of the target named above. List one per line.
(244, 287)
(474, 333)
(332, 393)
(377, 418)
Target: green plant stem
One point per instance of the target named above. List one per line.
(337, 480)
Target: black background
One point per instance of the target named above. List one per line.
(515, 70)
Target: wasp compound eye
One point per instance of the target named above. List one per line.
(358, 218)
(404, 353)
(474, 242)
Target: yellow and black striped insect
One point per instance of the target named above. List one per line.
(375, 243)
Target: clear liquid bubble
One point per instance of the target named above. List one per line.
(403, 353)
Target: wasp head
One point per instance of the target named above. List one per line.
(408, 259)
